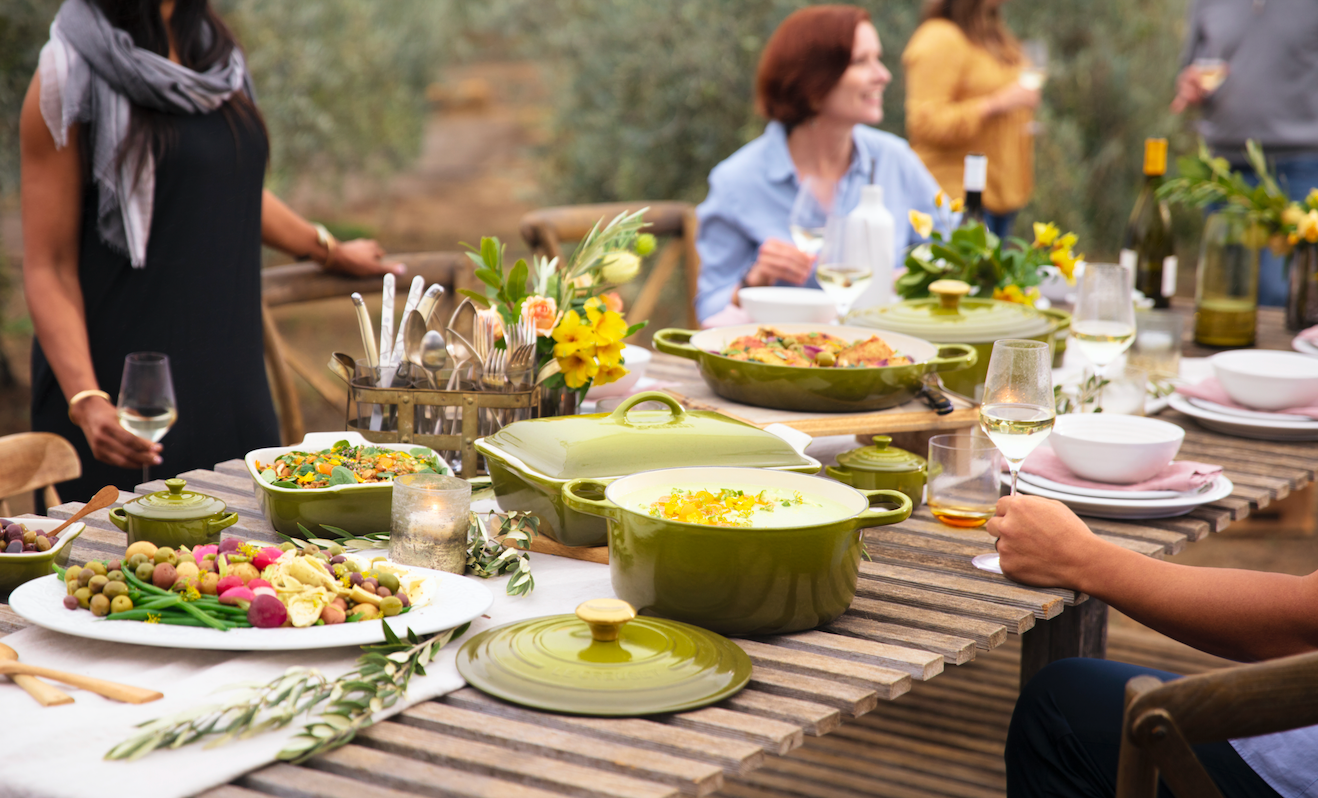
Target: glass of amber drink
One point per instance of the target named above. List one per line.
(963, 479)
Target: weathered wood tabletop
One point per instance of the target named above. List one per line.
(920, 607)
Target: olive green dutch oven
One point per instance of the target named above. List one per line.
(951, 316)
(530, 461)
(881, 467)
(174, 517)
(731, 580)
(808, 389)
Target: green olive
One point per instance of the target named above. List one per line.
(144, 570)
(391, 606)
(84, 596)
(96, 567)
(390, 581)
(121, 604)
(71, 574)
(335, 549)
(114, 589)
(85, 576)
(353, 567)
(136, 560)
(287, 546)
(98, 583)
(115, 576)
(99, 605)
(165, 554)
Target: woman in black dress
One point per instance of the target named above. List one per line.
(143, 219)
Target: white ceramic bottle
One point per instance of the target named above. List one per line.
(870, 229)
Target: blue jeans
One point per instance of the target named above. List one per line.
(1066, 733)
(999, 223)
(1297, 175)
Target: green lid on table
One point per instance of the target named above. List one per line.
(605, 661)
(952, 317)
(174, 503)
(881, 457)
(628, 441)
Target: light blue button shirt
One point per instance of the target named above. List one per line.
(751, 194)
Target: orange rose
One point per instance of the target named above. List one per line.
(612, 301)
(543, 310)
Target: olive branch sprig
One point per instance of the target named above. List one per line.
(381, 677)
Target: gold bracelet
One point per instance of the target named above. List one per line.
(327, 240)
(80, 395)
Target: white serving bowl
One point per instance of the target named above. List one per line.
(1266, 379)
(1114, 448)
(636, 359)
(774, 304)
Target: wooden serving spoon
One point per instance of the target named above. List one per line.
(9, 665)
(104, 497)
(48, 695)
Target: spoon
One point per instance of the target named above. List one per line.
(343, 365)
(414, 329)
(9, 665)
(434, 351)
(104, 497)
(47, 695)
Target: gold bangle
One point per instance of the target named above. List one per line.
(80, 395)
(327, 240)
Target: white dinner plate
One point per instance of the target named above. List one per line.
(1240, 412)
(1243, 427)
(1099, 493)
(454, 600)
(1304, 346)
(1129, 509)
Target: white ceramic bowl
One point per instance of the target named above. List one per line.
(1266, 379)
(774, 304)
(1114, 448)
(636, 359)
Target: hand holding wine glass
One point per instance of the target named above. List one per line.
(1017, 410)
(146, 398)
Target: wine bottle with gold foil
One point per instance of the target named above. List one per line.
(1148, 249)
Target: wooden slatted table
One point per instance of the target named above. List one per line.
(920, 608)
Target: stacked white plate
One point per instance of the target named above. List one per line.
(1247, 423)
(1304, 346)
(1124, 504)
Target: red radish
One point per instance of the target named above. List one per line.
(267, 612)
(227, 582)
(230, 544)
(238, 597)
(255, 583)
(266, 557)
(263, 591)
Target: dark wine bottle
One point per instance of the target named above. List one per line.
(976, 176)
(1148, 249)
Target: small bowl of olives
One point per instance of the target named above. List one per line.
(28, 551)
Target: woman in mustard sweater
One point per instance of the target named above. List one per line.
(963, 95)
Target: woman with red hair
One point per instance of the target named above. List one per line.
(820, 82)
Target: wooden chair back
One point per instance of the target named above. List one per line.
(1162, 720)
(306, 281)
(33, 461)
(546, 230)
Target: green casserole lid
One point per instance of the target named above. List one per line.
(881, 457)
(626, 442)
(951, 317)
(604, 661)
(175, 504)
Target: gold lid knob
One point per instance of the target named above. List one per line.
(605, 617)
(949, 292)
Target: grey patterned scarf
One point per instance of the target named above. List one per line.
(91, 72)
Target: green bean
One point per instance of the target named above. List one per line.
(201, 615)
(143, 586)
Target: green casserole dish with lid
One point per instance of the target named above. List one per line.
(530, 461)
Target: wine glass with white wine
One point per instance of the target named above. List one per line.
(146, 398)
(1034, 72)
(810, 211)
(1103, 324)
(1017, 410)
(844, 270)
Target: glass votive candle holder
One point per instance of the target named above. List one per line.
(1157, 347)
(429, 522)
(1125, 391)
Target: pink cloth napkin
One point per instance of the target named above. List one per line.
(1179, 475)
(1210, 390)
(729, 316)
(1310, 334)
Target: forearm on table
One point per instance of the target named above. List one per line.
(283, 229)
(1238, 614)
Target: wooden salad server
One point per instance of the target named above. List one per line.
(9, 665)
(47, 695)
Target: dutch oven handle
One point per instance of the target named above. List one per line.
(967, 358)
(604, 509)
(673, 341)
(873, 517)
(619, 414)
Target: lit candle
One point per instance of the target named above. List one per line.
(1154, 341)
(429, 522)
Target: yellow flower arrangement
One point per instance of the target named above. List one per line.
(922, 222)
(590, 350)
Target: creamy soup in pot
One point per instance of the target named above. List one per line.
(735, 506)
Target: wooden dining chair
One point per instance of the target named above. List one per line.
(546, 230)
(307, 281)
(1163, 719)
(32, 461)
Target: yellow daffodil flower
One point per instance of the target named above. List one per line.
(1067, 241)
(608, 374)
(922, 222)
(1292, 215)
(1045, 234)
(1308, 227)
(939, 199)
(607, 326)
(609, 354)
(1013, 293)
(1065, 261)
(579, 367)
(572, 335)
(957, 205)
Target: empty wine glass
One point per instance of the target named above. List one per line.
(844, 270)
(1017, 410)
(1103, 324)
(810, 211)
(146, 398)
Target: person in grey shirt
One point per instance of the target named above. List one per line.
(1269, 51)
